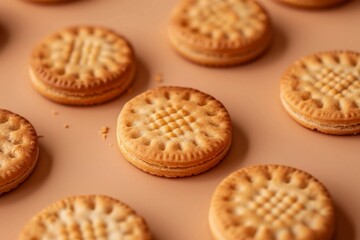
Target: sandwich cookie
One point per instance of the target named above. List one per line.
(322, 92)
(19, 150)
(270, 202)
(174, 131)
(220, 33)
(82, 66)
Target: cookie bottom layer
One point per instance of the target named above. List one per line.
(16, 182)
(312, 3)
(219, 59)
(69, 98)
(172, 172)
(328, 128)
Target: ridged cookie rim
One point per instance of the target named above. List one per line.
(85, 99)
(174, 172)
(221, 59)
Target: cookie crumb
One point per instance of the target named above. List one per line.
(111, 144)
(158, 78)
(54, 112)
(66, 126)
(40, 136)
(103, 132)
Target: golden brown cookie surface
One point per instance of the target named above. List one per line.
(87, 217)
(18, 150)
(220, 33)
(174, 131)
(271, 202)
(322, 92)
(82, 65)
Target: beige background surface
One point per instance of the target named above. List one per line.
(77, 161)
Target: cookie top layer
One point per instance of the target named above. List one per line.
(82, 59)
(18, 146)
(219, 25)
(325, 86)
(272, 202)
(174, 127)
(86, 217)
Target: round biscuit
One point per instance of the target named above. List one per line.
(18, 150)
(220, 33)
(271, 202)
(174, 131)
(86, 217)
(82, 65)
(322, 92)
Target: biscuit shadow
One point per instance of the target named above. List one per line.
(276, 49)
(234, 158)
(4, 35)
(318, 9)
(350, 5)
(63, 2)
(36, 178)
(344, 228)
(139, 84)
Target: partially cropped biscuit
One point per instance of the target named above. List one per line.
(88, 217)
(174, 131)
(82, 65)
(271, 202)
(322, 92)
(220, 33)
(18, 150)
(312, 3)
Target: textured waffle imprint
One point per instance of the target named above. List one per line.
(17, 144)
(84, 55)
(226, 20)
(275, 203)
(172, 122)
(87, 218)
(325, 82)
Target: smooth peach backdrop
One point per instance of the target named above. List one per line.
(77, 161)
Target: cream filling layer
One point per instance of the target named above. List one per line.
(15, 182)
(317, 124)
(230, 57)
(215, 158)
(52, 91)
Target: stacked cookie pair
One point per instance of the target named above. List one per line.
(220, 33)
(82, 65)
(322, 92)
